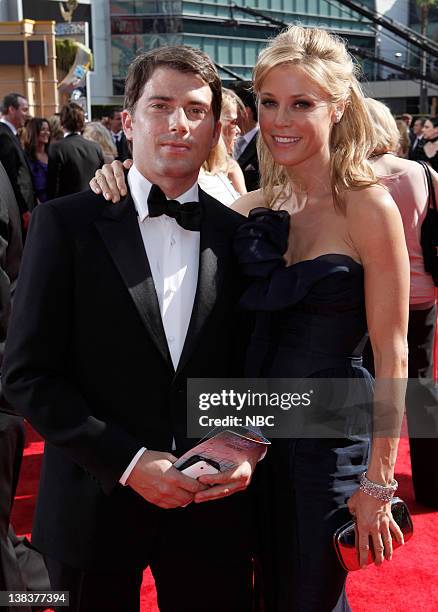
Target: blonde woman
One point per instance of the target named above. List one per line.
(324, 246)
(322, 249)
(97, 132)
(406, 182)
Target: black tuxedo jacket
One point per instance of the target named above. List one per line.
(88, 365)
(73, 162)
(11, 249)
(123, 151)
(249, 162)
(15, 163)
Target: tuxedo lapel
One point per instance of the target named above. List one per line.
(118, 227)
(213, 249)
(248, 152)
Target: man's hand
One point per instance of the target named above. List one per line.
(374, 524)
(226, 483)
(158, 482)
(110, 180)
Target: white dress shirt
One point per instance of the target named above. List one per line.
(173, 255)
(116, 136)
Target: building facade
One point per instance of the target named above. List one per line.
(231, 36)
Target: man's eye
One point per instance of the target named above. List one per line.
(159, 106)
(197, 111)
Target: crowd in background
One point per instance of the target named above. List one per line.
(35, 160)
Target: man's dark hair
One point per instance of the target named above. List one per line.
(11, 99)
(181, 58)
(113, 111)
(245, 92)
(433, 120)
(72, 117)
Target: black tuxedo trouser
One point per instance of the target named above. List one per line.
(424, 451)
(11, 451)
(200, 557)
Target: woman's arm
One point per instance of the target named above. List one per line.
(236, 177)
(376, 232)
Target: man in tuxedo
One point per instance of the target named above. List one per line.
(245, 152)
(416, 148)
(11, 425)
(15, 111)
(118, 135)
(21, 568)
(128, 302)
(74, 159)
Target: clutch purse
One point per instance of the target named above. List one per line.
(344, 539)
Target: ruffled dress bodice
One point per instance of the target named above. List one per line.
(310, 316)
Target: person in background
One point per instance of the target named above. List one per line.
(36, 140)
(216, 175)
(105, 121)
(56, 131)
(429, 152)
(117, 134)
(245, 150)
(21, 567)
(231, 106)
(72, 160)
(404, 141)
(96, 132)
(406, 182)
(15, 112)
(407, 120)
(418, 142)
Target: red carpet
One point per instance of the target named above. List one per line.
(411, 579)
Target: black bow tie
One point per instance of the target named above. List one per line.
(187, 215)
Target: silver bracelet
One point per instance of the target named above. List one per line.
(382, 492)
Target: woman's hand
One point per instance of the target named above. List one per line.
(375, 527)
(110, 180)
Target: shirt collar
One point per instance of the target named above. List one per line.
(10, 126)
(140, 188)
(250, 135)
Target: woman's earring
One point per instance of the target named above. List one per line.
(337, 117)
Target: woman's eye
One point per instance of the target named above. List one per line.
(267, 103)
(302, 104)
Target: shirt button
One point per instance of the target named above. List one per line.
(172, 241)
(171, 339)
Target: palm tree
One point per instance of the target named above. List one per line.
(424, 6)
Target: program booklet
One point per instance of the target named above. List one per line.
(227, 448)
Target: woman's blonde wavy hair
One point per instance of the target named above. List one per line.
(326, 61)
(387, 136)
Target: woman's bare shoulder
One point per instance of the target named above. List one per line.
(253, 199)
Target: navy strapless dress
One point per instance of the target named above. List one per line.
(309, 322)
